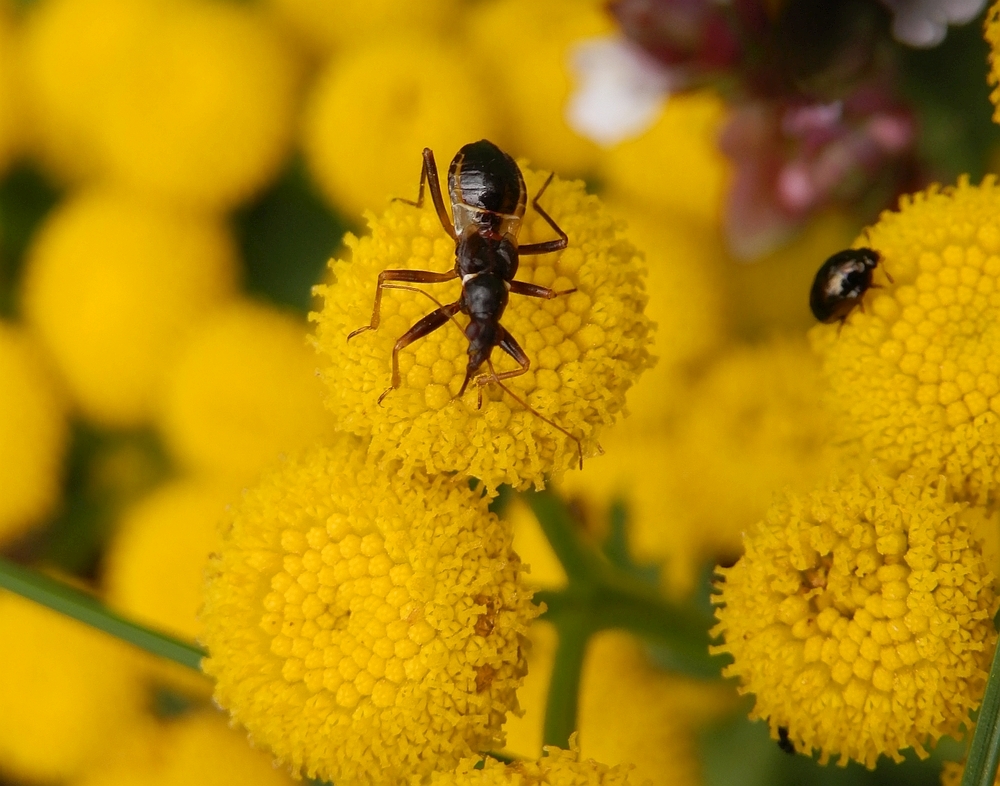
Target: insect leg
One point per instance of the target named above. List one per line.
(422, 327)
(494, 377)
(429, 173)
(533, 290)
(548, 245)
(413, 276)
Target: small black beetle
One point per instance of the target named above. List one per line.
(841, 282)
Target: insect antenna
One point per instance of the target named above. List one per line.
(494, 378)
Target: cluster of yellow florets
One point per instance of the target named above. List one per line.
(364, 626)
(861, 617)
(557, 768)
(586, 348)
(915, 380)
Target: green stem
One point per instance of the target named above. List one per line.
(682, 632)
(560, 529)
(984, 753)
(80, 606)
(564, 690)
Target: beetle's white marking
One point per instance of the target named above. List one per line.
(468, 277)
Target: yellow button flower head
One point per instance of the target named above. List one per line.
(375, 108)
(243, 390)
(155, 567)
(32, 433)
(676, 165)
(325, 25)
(364, 626)
(915, 380)
(65, 690)
(753, 424)
(631, 712)
(586, 349)
(195, 748)
(111, 286)
(686, 258)
(71, 50)
(536, 50)
(557, 768)
(202, 114)
(861, 617)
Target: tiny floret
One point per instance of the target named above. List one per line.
(914, 380)
(364, 626)
(861, 617)
(557, 768)
(585, 348)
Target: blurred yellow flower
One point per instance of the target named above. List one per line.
(992, 30)
(71, 51)
(202, 113)
(861, 618)
(12, 120)
(154, 571)
(197, 748)
(523, 49)
(364, 625)
(33, 434)
(327, 25)
(915, 379)
(631, 712)
(541, 566)
(557, 768)
(751, 425)
(243, 390)
(771, 294)
(525, 731)
(676, 165)
(112, 285)
(685, 258)
(65, 691)
(586, 349)
(377, 106)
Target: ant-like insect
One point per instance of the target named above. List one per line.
(488, 198)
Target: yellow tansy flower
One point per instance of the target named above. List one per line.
(111, 285)
(65, 690)
(376, 107)
(155, 567)
(32, 433)
(202, 112)
(915, 379)
(634, 713)
(197, 748)
(557, 768)
(676, 165)
(243, 390)
(364, 626)
(585, 349)
(685, 258)
(523, 49)
(525, 731)
(861, 618)
(326, 25)
(992, 30)
(751, 425)
(71, 51)
(11, 99)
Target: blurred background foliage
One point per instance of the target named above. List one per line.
(264, 130)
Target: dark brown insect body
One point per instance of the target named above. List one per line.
(488, 199)
(841, 282)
